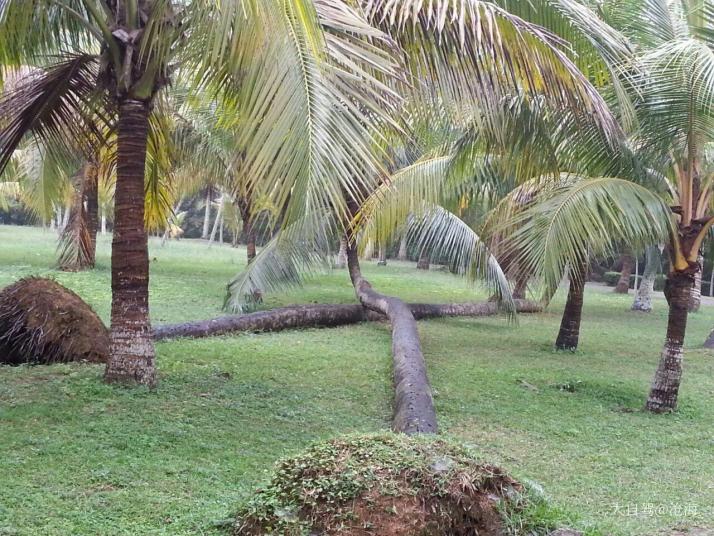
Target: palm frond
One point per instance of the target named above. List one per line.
(57, 105)
(443, 235)
(295, 252)
(562, 223)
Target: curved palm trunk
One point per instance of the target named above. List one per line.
(569, 333)
(643, 297)
(665, 386)
(695, 297)
(131, 356)
(246, 214)
(413, 403)
(623, 284)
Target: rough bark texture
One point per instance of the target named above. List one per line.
(665, 386)
(246, 214)
(413, 404)
(92, 202)
(570, 324)
(423, 262)
(131, 355)
(323, 315)
(695, 296)
(643, 296)
(623, 284)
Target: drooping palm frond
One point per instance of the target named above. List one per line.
(55, 104)
(295, 252)
(444, 236)
(562, 223)
(498, 54)
(305, 79)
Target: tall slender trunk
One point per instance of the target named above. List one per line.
(402, 255)
(643, 296)
(382, 255)
(628, 264)
(665, 386)
(341, 261)
(220, 231)
(423, 262)
(245, 207)
(569, 332)
(104, 223)
(92, 201)
(207, 215)
(131, 355)
(695, 296)
(216, 222)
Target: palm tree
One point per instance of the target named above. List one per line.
(643, 295)
(116, 58)
(669, 80)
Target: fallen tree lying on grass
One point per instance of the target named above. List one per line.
(322, 315)
(414, 411)
(394, 485)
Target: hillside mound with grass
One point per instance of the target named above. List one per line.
(42, 322)
(391, 485)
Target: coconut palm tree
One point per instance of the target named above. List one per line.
(670, 81)
(291, 64)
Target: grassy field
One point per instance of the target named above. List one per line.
(81, 457)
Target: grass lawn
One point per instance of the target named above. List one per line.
(81, 457)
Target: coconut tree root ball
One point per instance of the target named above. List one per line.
(393, 485)
(42, 322)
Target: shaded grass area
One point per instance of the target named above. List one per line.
(80, 457)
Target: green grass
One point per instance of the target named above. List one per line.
(81, 457)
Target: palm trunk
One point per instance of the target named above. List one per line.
(245, 207)
(695, 297)
(342, 254)
(104, 223)
(520, 287)
(217, 221)
(423, 262)
(402, 255)
(207, 215)
(131, 355)
(665, 386)
(413, 403)
(382, 255)
(569, 333)
(92, 200)
(623, 285)
(643, 297)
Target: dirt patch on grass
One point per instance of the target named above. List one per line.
(387, 485)
(42, 322)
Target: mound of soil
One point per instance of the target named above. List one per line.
(42, 322)
(387, 485)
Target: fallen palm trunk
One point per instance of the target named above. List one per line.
(324, 315)
(413, 403)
